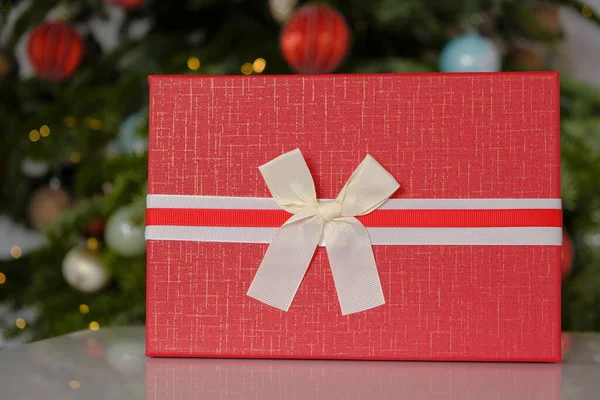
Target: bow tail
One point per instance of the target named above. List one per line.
(286, 261)
(353, 265)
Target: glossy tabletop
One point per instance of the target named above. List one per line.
(110, 364)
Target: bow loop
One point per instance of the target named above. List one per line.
(289, 181)
(369, 186)
(346, 239)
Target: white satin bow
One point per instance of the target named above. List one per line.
(346, 239)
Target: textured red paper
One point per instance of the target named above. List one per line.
(439, 135)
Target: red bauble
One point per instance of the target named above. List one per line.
(315, 39)
(55, 50)
(566, 255)
(127, 4)
(95, 228)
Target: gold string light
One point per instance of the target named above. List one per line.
(586, 11)
(259, 65)
(21, 324)
(75, 157)
(74, 384)
(92, 244)
(84, 309)
(16, 252)
(34, 135)
(44, 130)
(246, 69)
(193, 63)
(2, 278)
(70, 121)
(94, 124)
(94, 326)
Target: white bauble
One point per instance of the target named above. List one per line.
(124, 232)
(84, 270)
(33, 168)
(127, 357)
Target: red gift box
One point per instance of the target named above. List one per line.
(467, 251)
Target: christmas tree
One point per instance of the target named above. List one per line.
(74, 131)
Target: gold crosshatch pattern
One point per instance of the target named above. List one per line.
(440, 136)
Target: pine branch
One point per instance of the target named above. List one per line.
(33, 15)
(579, 6)
(67, 228)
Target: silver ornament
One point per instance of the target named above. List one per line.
(84, 270)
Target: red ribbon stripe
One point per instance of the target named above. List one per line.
(378, 218)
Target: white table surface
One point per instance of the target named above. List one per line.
(110, 364)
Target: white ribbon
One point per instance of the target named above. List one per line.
(346, 239)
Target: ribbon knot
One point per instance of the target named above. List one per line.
(330, 210)
(347, 241)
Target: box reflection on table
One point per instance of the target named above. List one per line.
(183, 379)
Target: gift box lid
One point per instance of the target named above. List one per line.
(486, 139)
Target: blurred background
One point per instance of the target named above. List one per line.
(73, 123)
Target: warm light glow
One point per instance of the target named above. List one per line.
(259, 65)
(246, 69)
(70, 121)
(44, 130)
(586, 11)
(2, 278)
(94, 326)
(34, 135)
(84, 309)
(20, 322)
(193, 63)
(94, 124)
(4, 66)
(92, 244)
(74, 384)
(16, 252)
(75, 157)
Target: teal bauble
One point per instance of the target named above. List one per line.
(131, 139)
(470, 53)
(124, 232)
